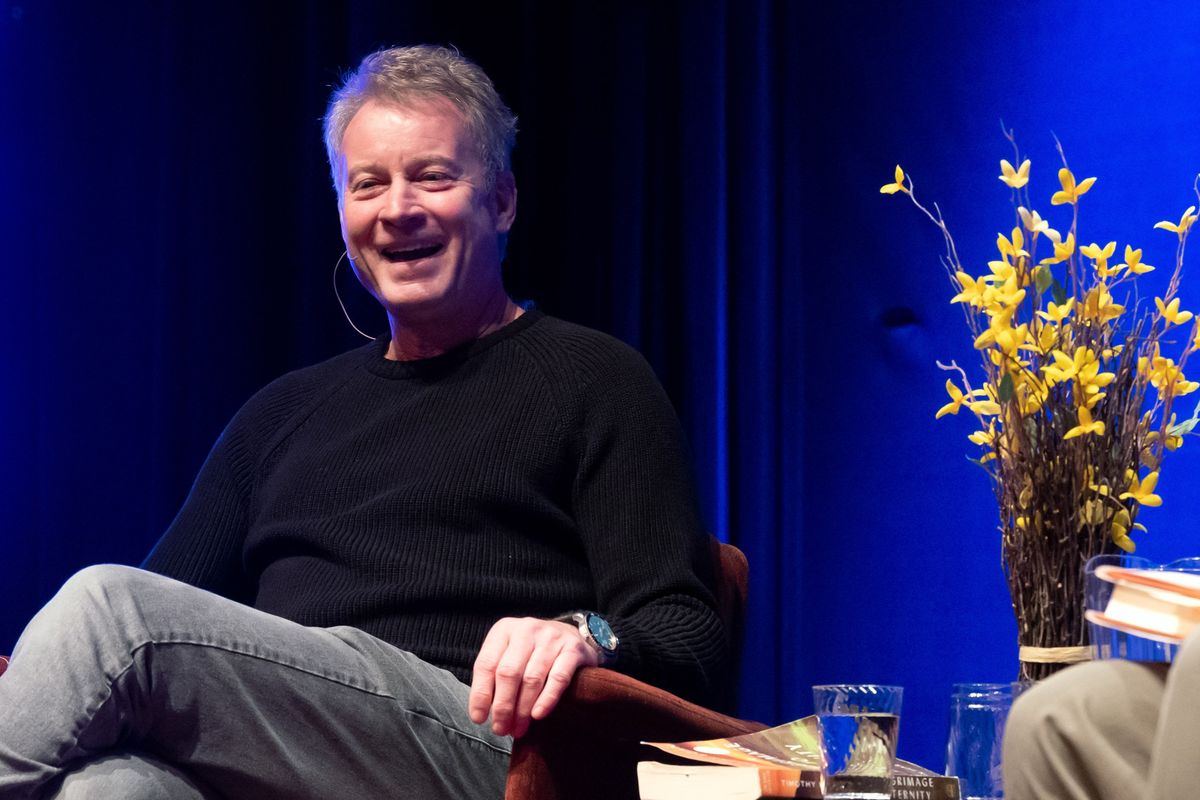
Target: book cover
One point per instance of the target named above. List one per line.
(784, 761)
(1155, 604)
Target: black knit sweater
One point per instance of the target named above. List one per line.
(535, 471)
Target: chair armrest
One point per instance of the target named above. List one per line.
(589, 745)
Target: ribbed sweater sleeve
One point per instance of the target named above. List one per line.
(204, 544)
(536, 471)
(636, 512)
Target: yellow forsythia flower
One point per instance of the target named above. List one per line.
(1062, 250)
(1181, 228)
(1120, 530)
(1171, 312)
(957, 400)
(1101, 256)
(1033, 221)
(897, 186)
(1086, 425)
(1142, 491)
(1071, 192)
(972, 290)
(1133, 262)
(1056, 313)
(1016, 178)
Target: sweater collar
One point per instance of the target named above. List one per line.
(378, 363)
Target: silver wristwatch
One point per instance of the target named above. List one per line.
(596, 632)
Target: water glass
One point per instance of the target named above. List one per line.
(978, 712)
(859, 725)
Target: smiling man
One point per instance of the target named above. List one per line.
(422, 218)
(394, 561)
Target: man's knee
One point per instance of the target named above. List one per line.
(1093, 697)
(95, 602)
(1087, 726)
(126, 776)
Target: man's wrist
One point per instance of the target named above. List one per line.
(596, 633)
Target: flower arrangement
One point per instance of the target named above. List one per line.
(1076, 404)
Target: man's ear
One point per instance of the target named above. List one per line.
(505, 198)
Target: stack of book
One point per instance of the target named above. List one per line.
(784, 761)
(1156, 604)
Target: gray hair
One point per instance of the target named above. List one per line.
(404, 75)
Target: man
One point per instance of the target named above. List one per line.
(1107, 730)
(387, 550)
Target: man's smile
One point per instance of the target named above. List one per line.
(397, 255)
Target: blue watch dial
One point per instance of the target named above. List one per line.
(602, 633)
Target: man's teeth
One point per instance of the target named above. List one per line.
(412, 254)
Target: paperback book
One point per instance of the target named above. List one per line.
(784, 761)
(1155, 604)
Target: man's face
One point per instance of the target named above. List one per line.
(417, 222)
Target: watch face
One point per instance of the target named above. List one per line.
(601, 632)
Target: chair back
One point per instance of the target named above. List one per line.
(732, 587)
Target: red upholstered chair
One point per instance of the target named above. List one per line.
(589, 746)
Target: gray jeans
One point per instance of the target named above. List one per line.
(131, 685)
(1108, 730)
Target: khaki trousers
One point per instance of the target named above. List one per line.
(1108, 730)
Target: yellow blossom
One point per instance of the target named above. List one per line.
(1056, 313)
(1010, 339)
(1047, 335)
(1000, 320)
(1006, 295)
(1184, 223)
(1098, 305)
(1086, 425)
(1030, 393)
(1142, 491)
(1121, 524)
(1070, 191)
(1133, 262)
(897, 186)
(1171, 312)
(1065, 367)
(1014, 249)
(1172, 441)
(1165, 376)
(1015, 178)
(1100, 257)
(957, 400)
(1091, 380)
(1033, 221)
(984, 438)
(972, 290)
(1062, 249)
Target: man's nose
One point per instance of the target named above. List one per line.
(402, 206)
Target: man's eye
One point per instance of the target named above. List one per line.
(433, 177)
(365, 184)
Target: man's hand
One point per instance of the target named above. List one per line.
(522, 670)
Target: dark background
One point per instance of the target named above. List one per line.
(698, 178)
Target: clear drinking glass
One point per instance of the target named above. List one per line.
(978, 712)
(859, 725)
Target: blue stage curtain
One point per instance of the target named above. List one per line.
(698, 178)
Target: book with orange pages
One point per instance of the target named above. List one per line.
(783, 761)
(1156, 604)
